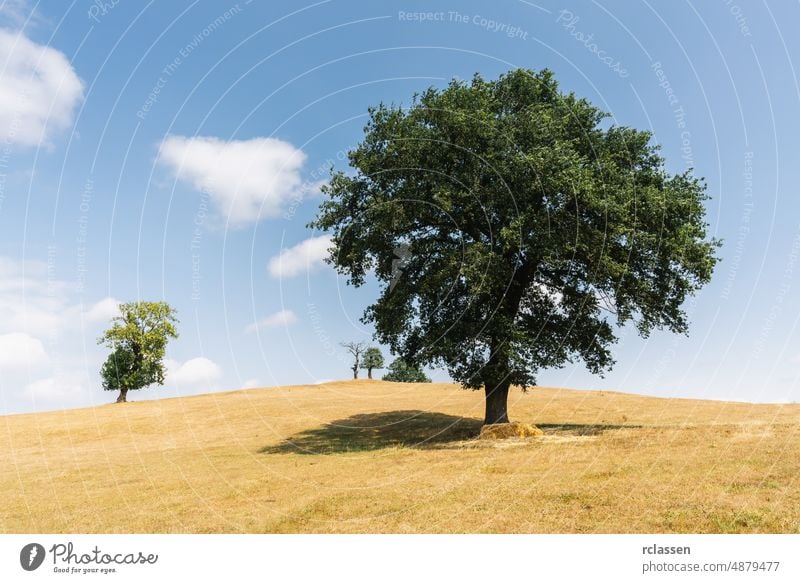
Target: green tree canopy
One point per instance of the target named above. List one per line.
(527, 227)
(138, 340)
(401, 371)
(118, 372)
(371, 359)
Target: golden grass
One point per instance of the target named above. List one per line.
(507, 430)
(370, 456)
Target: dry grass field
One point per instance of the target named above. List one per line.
(371, 456)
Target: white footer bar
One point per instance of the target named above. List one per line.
(400, 558)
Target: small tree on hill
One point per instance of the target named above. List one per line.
(356, 349)
(138, 340)
(372, 359)
(401, 371)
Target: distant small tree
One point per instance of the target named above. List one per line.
(372, 359)
(356, 349)
(401, 371)
(138, 340)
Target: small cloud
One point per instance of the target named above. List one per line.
(70, 389)
(20, 351)
(103, 310)
(46, 331)
(251, 384)
(40, 90)
(193, 373)
(306, 256)
(247, 180)
(36, 302)
(282, 318)
(322, 381)
(19, 14)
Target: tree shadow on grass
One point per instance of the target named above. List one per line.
(373, 431)
(411, 429)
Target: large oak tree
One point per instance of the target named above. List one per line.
(528, 229)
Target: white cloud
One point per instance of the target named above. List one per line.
(103, 310)
(49, 357)
(282, 318)
(19, 351)
(251, 384)
(32, 300)
(65, 388)
(194, 372)
(39, 90)
(15, 12)
(303, 257)
(247, 179)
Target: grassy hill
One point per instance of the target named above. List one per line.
(370, 456)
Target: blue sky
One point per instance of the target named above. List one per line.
(175, 152)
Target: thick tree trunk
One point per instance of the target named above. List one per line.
(497, 380)
(496, 403)
(123, 394)
(355, 373)
(369, 373)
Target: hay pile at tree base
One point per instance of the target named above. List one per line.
(506, 430)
